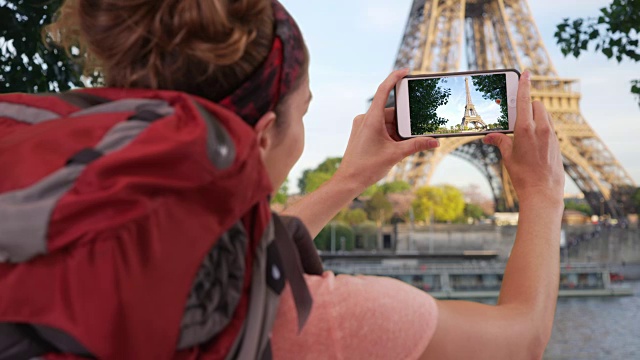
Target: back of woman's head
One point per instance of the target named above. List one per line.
(203, 47)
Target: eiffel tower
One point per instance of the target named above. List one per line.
(497, 34)
(471, 116)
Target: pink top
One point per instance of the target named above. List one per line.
(356, 317)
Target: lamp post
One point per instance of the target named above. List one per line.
(333, 237)
(411, 229)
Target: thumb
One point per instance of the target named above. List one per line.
(417, 144)
(502, 142)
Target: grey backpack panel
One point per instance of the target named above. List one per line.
(216, 290)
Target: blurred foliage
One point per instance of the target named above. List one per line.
(581, 206)
(341, 231)
(378, 208)
(473, 211)
(636, 200)
(615, 33)
(366, 235)
(395, 187)
(283, 193)
(446, 203)
(352, 216)
(27, 64)
(368, 192)
(312, 179)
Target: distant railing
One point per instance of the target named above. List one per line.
(463, 268)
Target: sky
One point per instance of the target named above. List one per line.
(353, 46)
(453, 111)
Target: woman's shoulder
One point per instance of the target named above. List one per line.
(358, 317)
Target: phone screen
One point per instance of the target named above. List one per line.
(471, 104)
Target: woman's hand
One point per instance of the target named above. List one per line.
(533, 157)
(373, 149)
(520, 325)
(374, 146)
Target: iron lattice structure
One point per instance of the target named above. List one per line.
(498, 34)
(471, 116)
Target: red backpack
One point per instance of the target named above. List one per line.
(136, 224)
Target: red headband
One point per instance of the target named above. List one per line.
(272, 80)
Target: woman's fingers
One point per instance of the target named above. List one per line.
(390, 123)
(382, 94)
(415, 145)
(540, 115)
(390, 115)
(524, 120)
(502, 142)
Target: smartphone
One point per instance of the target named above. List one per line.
(457, 104)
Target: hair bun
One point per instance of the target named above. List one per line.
(215, 31)
(163, 42)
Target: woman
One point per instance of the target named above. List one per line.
(248, 55)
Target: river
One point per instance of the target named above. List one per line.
(605, 328)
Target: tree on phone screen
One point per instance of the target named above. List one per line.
(494, 87)
(425, 97)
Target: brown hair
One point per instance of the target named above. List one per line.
(203, 47)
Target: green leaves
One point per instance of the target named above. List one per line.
(635, 89)
(282, 195)
(444, 203)
(494, 87)
(425, 97)
(636, 199)
(615, 33)
(342, 234)
(395, 187)
(26, 64)
(313, 178)
(378, 208)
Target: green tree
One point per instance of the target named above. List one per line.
(425, 96)
(27, 64)
(378, 208)
(283, 193)
(473, 211)
(446, 203)
(352, 216)
(423, 205)
(366, 235)
(341, 231)
(313, 178)
(615, 33)
(494, 87)
(583, 207)
(302, 181)
(371, 190)
(395, 187)
(636, 200)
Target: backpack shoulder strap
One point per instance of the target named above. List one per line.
(82, 100)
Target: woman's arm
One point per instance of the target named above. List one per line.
(316, 209)
(519, 326)
(372, 151)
